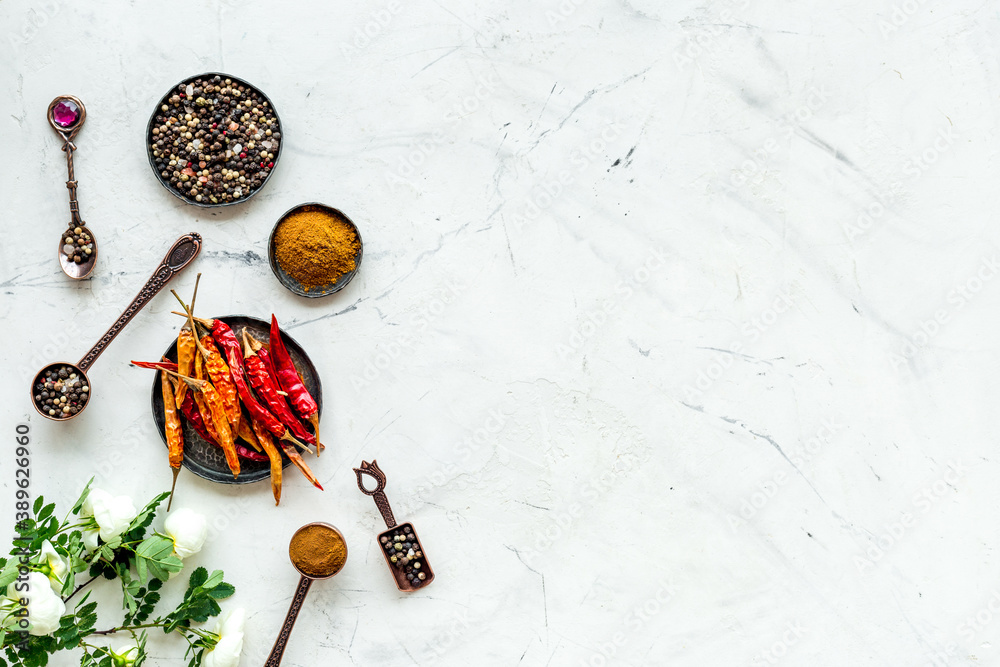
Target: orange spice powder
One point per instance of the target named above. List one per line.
(316, 248)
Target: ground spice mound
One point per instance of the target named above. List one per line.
(318, 551)
(316, 247)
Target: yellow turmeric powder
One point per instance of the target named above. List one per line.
(316, 247)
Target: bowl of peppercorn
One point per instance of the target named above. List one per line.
(213, 140)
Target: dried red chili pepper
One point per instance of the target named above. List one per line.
(301, 465)
(156, 365)
(219, 420)
(288, 379)
(190, 412)
(225, 338)
(275, 458)
(202, 404)
(218, 371)
(172, 423)
(266, 388)
(253, 406)
(186, 350)
(223, 335)
(246, 432)
(173, 431)
(250, 454)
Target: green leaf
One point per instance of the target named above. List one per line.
(9, 573)
(46, 511)
(222, 591)
(213, 580)
(198, 577)
(83, 497)
(157, 554)
(39, 501)
(137, 529)
(141, 568)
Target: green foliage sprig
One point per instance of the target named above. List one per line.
(140, 560)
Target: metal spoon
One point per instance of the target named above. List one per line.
(181, 253)
(305, 581)
(66, 116)
(388, 539)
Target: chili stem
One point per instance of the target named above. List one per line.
(194, 297)
(197, 341)
(200, 320)
(173, 485)
(291, 438)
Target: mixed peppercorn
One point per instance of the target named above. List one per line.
(214, 140)
(403, 551)
(62, 391)
(78, 246)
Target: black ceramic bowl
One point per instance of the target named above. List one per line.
(294, 285)
(149, 140)
(205, 459)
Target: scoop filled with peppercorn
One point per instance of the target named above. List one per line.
(214, 140)
(61, 391)
(402, 550)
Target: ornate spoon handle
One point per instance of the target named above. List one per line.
(67, 132)
(74, 205)
(298, 599)
(381, 502)
(180, 255)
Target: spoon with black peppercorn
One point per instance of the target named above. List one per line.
(77, 245)
(62, 390)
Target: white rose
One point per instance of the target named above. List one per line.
(58, 566)
(125, 656)
(7, 609)
(113, 515)
(230, 630)
(45, 608)
(90, 539)
(188, 529)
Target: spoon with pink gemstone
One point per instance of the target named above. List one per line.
(77, 245)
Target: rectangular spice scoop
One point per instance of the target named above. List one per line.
(400, 545)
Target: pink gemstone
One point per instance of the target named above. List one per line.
(66, 113)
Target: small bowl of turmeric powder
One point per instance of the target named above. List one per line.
(315, 250)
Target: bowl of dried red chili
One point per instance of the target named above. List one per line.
(206, 459)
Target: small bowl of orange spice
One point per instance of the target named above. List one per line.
(314, 250)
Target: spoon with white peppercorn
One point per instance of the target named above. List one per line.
(77, 246)
(62, 390)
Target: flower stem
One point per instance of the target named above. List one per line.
(126, 627)
(81, 587)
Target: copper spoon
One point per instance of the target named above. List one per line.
(66, 116)
(305, 581)
(181, 253)
(387, 539)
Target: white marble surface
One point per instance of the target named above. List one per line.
(674, 332)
